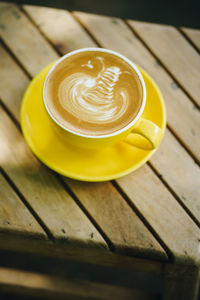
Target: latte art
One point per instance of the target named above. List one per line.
(93, 93)
(93, 98)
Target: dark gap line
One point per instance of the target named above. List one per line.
(196, 160)
(85, 211)
(40, 31)
(182, 204)
(188, 39)
(163, 66)
(67, 189)
(144, 220)
(16, 60)
(10, 115)
(28, 206)
(86, 30)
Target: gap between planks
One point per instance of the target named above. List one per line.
(38, 28)
(28, 206)
(188, 39)
(4, 45)
(183, 145)
(163, 65)
(174, 194)
(143, 219)
(75, 198)
(66, 188)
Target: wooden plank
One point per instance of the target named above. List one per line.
(159, 208)
(60, 28)
(112, 33)
(179, 57)
(44, 193)
(193, 35)
(114, 216)
(27, 44)
(8, 74)
(184, 176)
(52, 287)
(145, 243)
(15, 218)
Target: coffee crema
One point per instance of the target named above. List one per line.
(93, 93)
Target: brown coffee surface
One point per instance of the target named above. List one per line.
(93, 93)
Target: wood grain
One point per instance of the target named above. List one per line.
(8, 74)
(193, 35)
(112, 33)
(52, 287)
(164, 214)
(122, 234)
(15, 218)
(24, 40)
(55, 207)
(127, 233)
(179, 57)
(60, 28)
(178, 168)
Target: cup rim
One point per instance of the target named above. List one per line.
(131, 64)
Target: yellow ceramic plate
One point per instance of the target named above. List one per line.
(87, 165)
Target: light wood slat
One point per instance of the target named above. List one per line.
(193, 35)
(179, 169)
(54, 206)
(15, 218)
(114, 216)
(70, 35)
(9, 86)
(165, 215)
(52, 287)
(112, 33)
(145, 240)
(180, 58)
(24, 39)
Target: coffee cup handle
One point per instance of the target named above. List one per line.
(148, 130)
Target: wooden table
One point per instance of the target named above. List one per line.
(136, 237)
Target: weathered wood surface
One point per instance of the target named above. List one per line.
(117, 220)
(134, 238)
(193, 35)
(70, 36)
(176, 54)
(152, 209)
(24, 39)
(57, 210)
(164, 214)
(15, 218)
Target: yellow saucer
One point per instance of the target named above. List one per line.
(87, 165)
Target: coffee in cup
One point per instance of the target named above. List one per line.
(96, 95)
